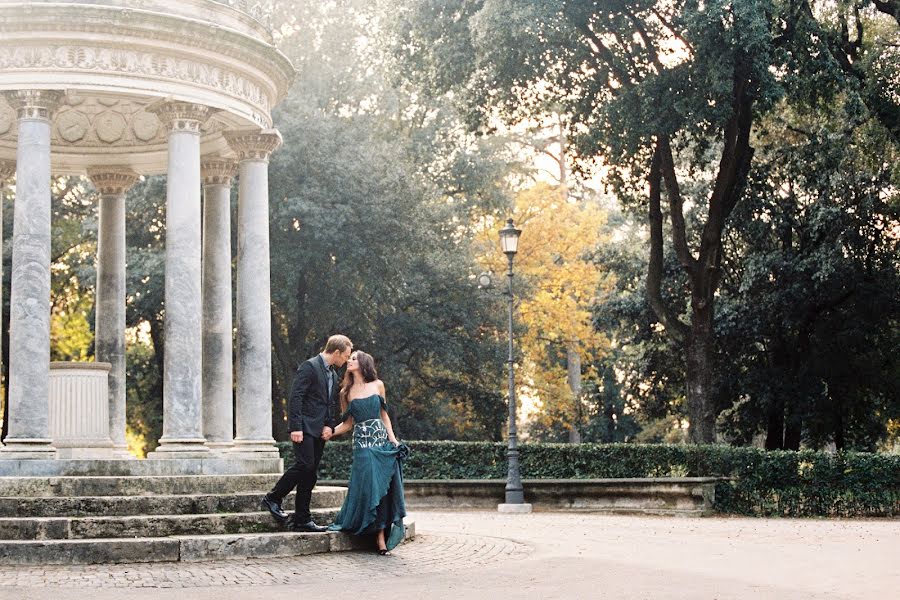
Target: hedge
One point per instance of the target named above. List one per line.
(761, 483)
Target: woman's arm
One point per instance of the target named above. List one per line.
(344, 427)
(385, 417)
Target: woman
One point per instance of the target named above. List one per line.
(374, 501)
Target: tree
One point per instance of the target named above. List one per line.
(560, 283)
(667, 93)
(372, 198)
(640, 81)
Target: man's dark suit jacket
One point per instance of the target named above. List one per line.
(311, 407)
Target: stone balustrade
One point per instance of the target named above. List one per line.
(676, 496)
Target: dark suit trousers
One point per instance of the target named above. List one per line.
(302, 475)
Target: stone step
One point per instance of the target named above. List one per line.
(211, 465)
(151, 526)
(188, 548)
(86, 506)
(135, 486)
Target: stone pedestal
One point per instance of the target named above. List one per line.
(79, 409)
(29, 322)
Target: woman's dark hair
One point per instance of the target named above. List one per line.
(366, 370)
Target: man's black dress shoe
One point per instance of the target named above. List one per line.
(310, 527)
(274, 508)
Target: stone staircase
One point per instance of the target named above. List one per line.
(87, 519)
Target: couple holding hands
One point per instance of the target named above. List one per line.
(374, 504)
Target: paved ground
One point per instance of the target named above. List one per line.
(463, 555)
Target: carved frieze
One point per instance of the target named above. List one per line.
(127, 61)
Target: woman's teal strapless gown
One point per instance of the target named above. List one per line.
(375, 496)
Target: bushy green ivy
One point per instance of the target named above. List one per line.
(795, 484)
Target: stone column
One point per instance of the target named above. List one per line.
(182, 401)
(29, 322)
(110, 291)
(254, 316)
(7, 170)
(218, 412)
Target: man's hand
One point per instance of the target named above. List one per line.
(297, 436)
(327, 432)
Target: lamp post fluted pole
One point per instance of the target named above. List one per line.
(515, 494)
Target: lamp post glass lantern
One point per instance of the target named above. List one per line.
(515, 495)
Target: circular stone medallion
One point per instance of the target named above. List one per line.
(72, 125)
(145, 126)
(109, 126)
(7, 117)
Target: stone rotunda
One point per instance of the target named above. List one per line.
(116, 89)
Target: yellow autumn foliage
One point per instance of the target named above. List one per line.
(556, 285)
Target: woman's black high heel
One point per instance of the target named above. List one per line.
(384, 552)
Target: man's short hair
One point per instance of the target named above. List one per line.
(337, 343)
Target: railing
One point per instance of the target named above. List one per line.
(260, 10)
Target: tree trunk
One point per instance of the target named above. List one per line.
(701, 375)
(793, 429)
(573, 362)
(779, 367)
(283, 369)
(775, 425)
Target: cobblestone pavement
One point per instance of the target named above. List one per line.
(566, 556)
(426, 554)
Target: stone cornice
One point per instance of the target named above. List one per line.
(217, 171)
(253, 144)
(112, 182)
(62, 23)
(34, 104)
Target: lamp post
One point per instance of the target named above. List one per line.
(515, 495)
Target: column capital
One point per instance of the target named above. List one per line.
(216, 170)
(253, 144)
(7, 169)
(34, 104)
(181, 116)
(112, 181)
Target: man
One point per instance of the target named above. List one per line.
(313, 398)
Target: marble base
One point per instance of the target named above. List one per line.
(28, 449)
(514, 509)
(220, 448)
(180, 448)
(254, 448)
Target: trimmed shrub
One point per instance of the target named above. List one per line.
(754, 482)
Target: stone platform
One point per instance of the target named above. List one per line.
(154, 518)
